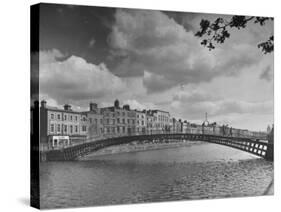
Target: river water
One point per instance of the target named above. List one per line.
(184, 173)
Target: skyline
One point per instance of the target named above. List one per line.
(145, 111)
(151, 59)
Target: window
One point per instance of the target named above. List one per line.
(58, 116)
(65, 128)
(76, 118)
(76, 128)
(71, 129)
(84, 128)
(123, 129)
(52, 127)
(70, 118)
(65, 117)
(123, 121)
(118, 120)
(58, 127)
(91, 120)
(52, 116)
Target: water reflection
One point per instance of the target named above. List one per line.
(199, 171)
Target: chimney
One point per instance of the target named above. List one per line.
(116, 103)
(43, 104)
(126, 107)
(67, 107)
(93, 106)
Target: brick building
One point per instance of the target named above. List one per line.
(61, 122)
(140, 122)
(161, 121)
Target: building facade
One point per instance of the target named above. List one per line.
(175, 126)
(161, 121)
(140, 122)
(61, 127)
(94, 122)
(119, 121)
(60, 122)
(131, 120)
(150, 124)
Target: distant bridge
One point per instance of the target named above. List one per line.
(253, 146)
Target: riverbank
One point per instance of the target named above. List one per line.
(125, 148)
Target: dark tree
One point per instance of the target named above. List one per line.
(217, 31)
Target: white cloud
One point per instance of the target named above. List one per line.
(74, 79)
(150, 40)
(158, 63)
(134, 104)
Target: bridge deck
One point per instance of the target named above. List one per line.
(253, 146)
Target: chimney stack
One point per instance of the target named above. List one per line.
(43, 104)
(116, 103)
(126, 107)
(67, 107)
(93, 106)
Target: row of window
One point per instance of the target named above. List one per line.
(65, 128)
(71, 129)
(163, 118)
(140, 116)
(120, 121)
(161, 125)
(113, 114)
(119, 113)
(107, 114)
(95, 121)
(64, 117)
(112, 129)
(109, 121)
(119, 129)
(140, 122)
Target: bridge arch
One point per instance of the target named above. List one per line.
(253, 146)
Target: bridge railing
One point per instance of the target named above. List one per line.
(102, 137)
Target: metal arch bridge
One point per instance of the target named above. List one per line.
(253, 146)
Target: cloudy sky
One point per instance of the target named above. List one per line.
(151, 59)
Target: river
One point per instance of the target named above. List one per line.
(183, 173)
